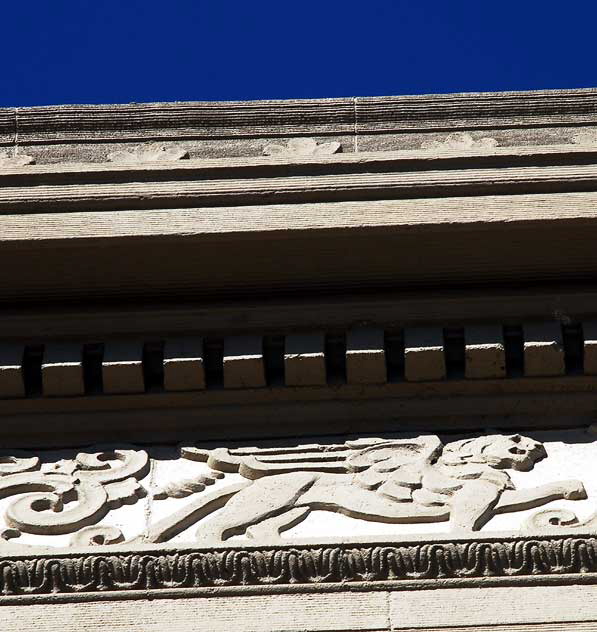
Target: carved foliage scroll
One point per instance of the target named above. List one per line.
(72, 494)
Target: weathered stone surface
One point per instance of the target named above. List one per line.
(62, 369)
(485, 356)
(258, 613)
(304, 359)
(543, 349)
(590, 347)
(365, 356)
(208, 493)
(149, 153)
(183, 364)
(122, 367)
(243, 362)
(424, 354)
(289, 264)
(460, 140)
(54, 134)
(11, 370)
(298, 147)
(545, 606)
(15, 160)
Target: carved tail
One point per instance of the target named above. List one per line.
(202, 506)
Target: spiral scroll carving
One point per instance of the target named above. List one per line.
(74, 494)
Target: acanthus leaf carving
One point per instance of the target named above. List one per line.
(302, 147)
(18, 160)
(460, 140)
(150, 152)
(587, 138)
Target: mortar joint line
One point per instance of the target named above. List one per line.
(148, 509)
(16, 136)
(354, 117)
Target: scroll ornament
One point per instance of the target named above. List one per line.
(71, 495)
(417, 480)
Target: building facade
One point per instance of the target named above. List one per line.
(285, 366)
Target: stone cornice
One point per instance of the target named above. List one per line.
(28, 575)
(245, 252)
(93, 123)
(357, 177)
(259, 166)
(432, 214)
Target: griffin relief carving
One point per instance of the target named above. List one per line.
(401, 481)
(262, 492)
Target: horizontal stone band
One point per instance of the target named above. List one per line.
(296, 565)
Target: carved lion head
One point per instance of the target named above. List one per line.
(499, 451)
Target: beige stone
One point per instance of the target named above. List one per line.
(485, 356)
(365, 356)
(122, 367)
(253, 613)
(62, 369)
(543, 349)
(590, 347)
(424, 354)
(304, 359)
(243, 362)
(495, 606)
(11, 370)
(183, 364)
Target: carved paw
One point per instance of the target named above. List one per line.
(575, 490)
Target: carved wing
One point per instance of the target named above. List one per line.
(395, 468)
(254, 463)
(351, 456)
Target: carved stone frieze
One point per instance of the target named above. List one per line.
(69, 495)
(397, 481)
(208, 494)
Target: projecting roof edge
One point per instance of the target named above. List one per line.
(344, 119)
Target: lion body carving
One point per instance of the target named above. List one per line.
(402, 481)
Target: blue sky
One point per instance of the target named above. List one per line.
(107, 51)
